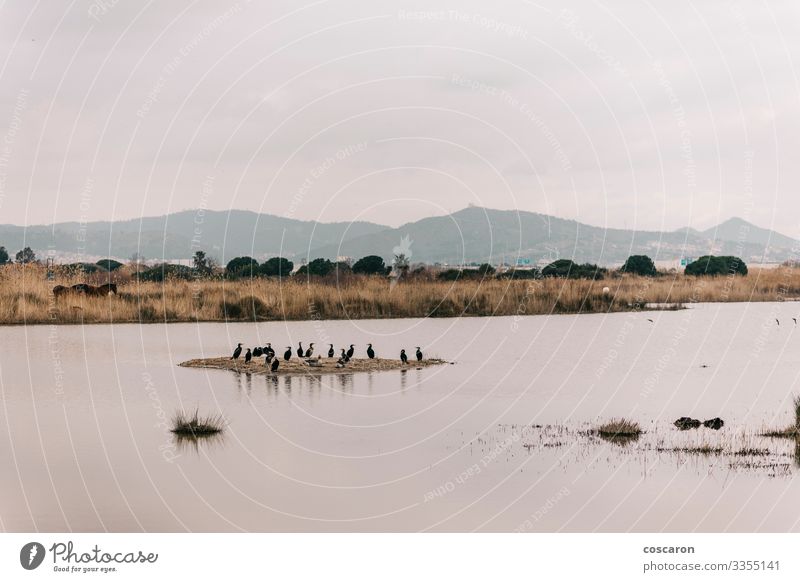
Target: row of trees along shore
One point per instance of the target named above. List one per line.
(204, 266)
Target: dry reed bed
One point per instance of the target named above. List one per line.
(26, 297)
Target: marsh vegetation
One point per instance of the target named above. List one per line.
(193, 425)
(26, 296)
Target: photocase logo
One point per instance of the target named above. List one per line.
(31, 555)
(401, 263)
(404, 248)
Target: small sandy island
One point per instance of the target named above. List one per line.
(296, 366)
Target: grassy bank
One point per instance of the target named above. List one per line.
(26, 297)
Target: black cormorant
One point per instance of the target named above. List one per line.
(403, 356)
(269, 351)
(237, 352)
(351, 351)
(419, 354)
(300, 350)
(370, 351)
(310, 350)
(248, 356)
(275, 364)
(344, 357)
(330, 351)
(288, 353)
(257, 352)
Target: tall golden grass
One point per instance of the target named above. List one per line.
(26, 296)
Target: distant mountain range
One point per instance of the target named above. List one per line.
(470, 235)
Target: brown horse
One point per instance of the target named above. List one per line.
(102, 290)
(86, 289)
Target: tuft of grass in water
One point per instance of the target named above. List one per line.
(796, 402)
(700, 449)
(619, 427)
(193, 425)
(791, 431)
(751, 452)
(619, 431)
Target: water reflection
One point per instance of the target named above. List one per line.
(620, 439)
(797, 452)
(345, 382)
(193, 444)
(272, 384)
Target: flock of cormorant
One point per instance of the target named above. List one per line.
(307, 354)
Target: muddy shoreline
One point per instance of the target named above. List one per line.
(297, 366)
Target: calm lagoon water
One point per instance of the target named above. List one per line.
(494, 442)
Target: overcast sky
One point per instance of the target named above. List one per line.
(637, 114)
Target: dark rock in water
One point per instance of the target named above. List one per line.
(715, 423)
(685, 423)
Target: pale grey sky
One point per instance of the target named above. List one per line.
(628, 113)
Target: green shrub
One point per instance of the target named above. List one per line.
(520, 274)
(716, 266)
(108, 264)
(370, 265)
(567, 269)
(276, 267)
(164, 271)
(86, 268)
(317, 268)
(242, 267)
(640, 265)
(449, 275)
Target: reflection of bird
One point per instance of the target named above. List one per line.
(370, 351)
(351, 351)
(275, 364)
(248, 356)
(300, 349)
(330, 351)
(288, 353)
(310, 350)
(419, 354)
(237, 352)
(403, 356)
